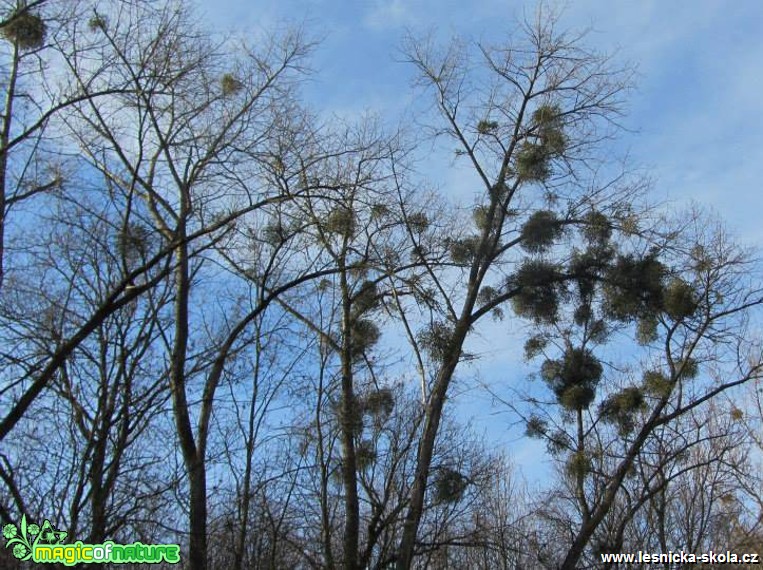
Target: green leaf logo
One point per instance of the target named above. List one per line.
(24, 538)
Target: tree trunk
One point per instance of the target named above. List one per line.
(5, 131)
(348, 427)
(193, 456)
(426, 452)
(197, 480)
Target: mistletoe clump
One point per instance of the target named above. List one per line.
(365, 454)
(573, 378)
(485, 127)
(533, 162)
(481, 216)
(536, 427)
(230, 85)
(634, 287)
(578, 464)
(275, 233)
(540, 231)
(535, 345)
(621, 408)
(436, 340)
(657, 384)
(340, 221)
(380, 403)
(679, 299)
(449, 486)
(596, 228)
(463, 251)
(418, 222)
(364, 334)
(133, 241)
(366, 299)
(537, 291)
(351, 417)
(26, 29)
(97, 23)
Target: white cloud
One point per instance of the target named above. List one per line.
(388, 14)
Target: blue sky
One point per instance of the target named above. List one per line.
(696, 117)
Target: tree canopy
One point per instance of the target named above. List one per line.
(232, 325)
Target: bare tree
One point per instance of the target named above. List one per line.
(107, 395)
(529, 134)
(181, 138)
(688, 302)
(358, 233)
